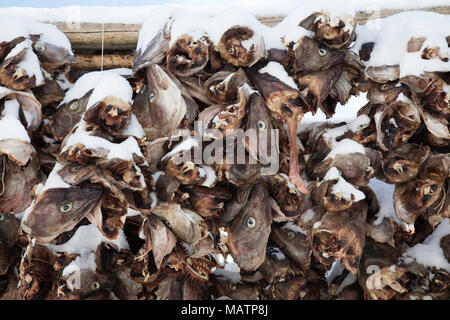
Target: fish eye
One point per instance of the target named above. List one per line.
(151, 97)
(384, 87)
(39, 46)
(75, 168)
(65, 206)
(322, 52)
(95, 285)
(73, 106)
(2, 217)
(261, 125)
(232, 286)
(291, 234)
(251, 222)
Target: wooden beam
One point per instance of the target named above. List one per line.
(123, 37)
(110, 61)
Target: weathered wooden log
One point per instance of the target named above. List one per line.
(110, 61)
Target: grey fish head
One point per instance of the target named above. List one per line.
(60, 209)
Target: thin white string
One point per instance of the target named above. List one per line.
(103, 41)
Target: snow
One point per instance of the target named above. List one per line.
(337, 268)
(276, 70)
(93, 79)
(429, 253)
(88, 237)
(54, 180)
(291, 226)
(30, 62)
(394, 32)
(332, 134)
(385, 196)
(347, 112)
(111, 85)
(123, 150)
(185, 145)
(14, 25)
(346, 189)
(10, 126)
(231, 270)
(346, 146)
(133, 128)
(211, 177)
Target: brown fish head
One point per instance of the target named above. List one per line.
(414, 197)
(187, 56)
(9, 229)
(310, 55)
(396, 123)
(249, 232)
(233, 51)
(259, 123)
(316, 86)
(335, 32)
(15, 193)
(229, 119)
(293, 243)
(68, 115)
(222, 287)
(112, 114)
(403, 163)
(13, 76)
(223, 86)
(37, 273)
(208, 201)
(59, 210)
(384, 92)
(93, 285)
(186, 224)
(7, 46)
(283, 101)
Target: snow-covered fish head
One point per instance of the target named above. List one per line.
(68, 115)
(232, 49)
(58, 210)
(15, 77)
(335, 32)
(249, 232)
(7, 46)
(310, 55)
(111, 113)
(155, 51)
(167, 106)
(187, 56)
(50, 54)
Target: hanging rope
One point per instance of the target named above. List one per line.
(103, 41)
